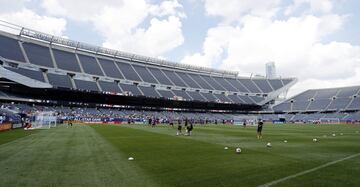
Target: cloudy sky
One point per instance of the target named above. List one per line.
(317, 41)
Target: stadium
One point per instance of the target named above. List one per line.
(98, 106)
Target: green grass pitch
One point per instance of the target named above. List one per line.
(97, 155)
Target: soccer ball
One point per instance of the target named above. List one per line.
(268, 144)
(226, 148)
(238, 150)
(315, 140)
(334, 134)
(130, 158)
(285, 141)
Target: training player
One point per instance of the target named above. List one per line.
(179, 128)
(259, 129)
(190, 127)
(70, 121)
(150, 121)
(171, 122)
(153, 122)
(244, 123)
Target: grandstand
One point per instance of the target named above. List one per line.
(38, 66)
(53, 72)
(341, 103)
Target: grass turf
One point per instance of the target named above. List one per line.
(96, 155)
(14, 134)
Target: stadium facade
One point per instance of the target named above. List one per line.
(70, 77)
(39, 66)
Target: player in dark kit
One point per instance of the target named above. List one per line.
(150, 121)
(179, 128)
(259, 129)
(190, 127)
(171, 122)
(153, 124)
(244, 123)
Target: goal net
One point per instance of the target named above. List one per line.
(43, 120)
(329, 120)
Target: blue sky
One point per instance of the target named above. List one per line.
(316, 41)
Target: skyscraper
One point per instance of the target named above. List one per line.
(270, 70)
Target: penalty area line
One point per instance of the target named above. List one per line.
(308, 171)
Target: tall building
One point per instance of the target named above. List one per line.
(270, 70)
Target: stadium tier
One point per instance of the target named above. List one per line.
(323, 100)
(101, 114)
(32, 61)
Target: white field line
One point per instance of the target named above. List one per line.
(308, 171)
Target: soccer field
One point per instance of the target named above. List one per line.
(97, 155)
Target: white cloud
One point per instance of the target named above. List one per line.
(166, 8)
(124, 24)
(294, 43)
(314, 6)
(160, 37)
(27, 18)
(215, 45)
(234, 10)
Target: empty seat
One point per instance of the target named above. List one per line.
(196, 96)
(263, 85)
(223, 98)
(10, 49)
(188, 80)
(66, 60)
(86, 85)
(110, 68)
(212, 82)
(305, 96)
(166, 94)
(149, 91)
(235, 99)
(201, 81)
(236, 84)
(319, 104)
(160, 76)
(38, 54)
(145, 74)
(355, 104)
(348, 92)
(128, 71)
(131, 89)
(300, 106)
(225, 84)
(109, 87)
(285, 106)
(57, 80)
(246, 99)
(276, 83)
(183, 94)
(249, 84)
(90, 65)
(209, 96)
(339, 103)
(33, 74)
(174, 78)
(326, 93)
(256, 98)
